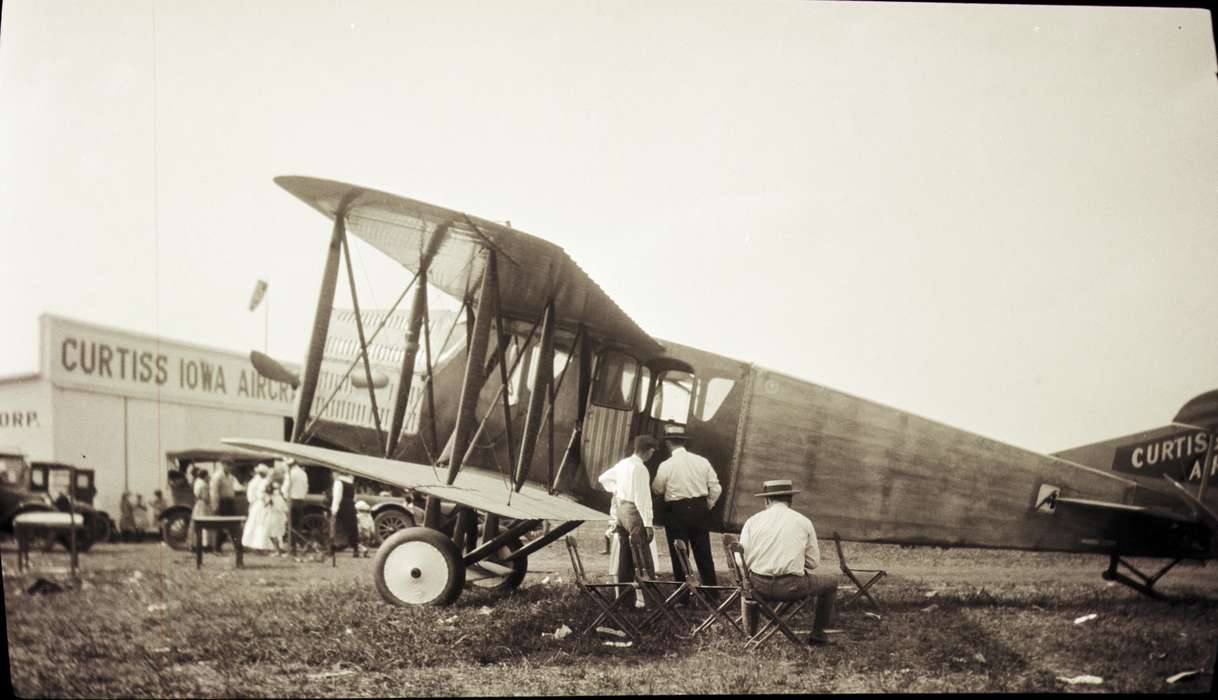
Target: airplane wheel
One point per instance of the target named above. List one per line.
(419, 566)
(504, 576)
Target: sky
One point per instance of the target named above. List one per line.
(998, 217)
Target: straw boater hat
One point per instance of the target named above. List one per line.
(675, 432)
(777, 487)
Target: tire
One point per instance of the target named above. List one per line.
(101, 528)
(315, 527)
(389, 521)
(83, 540)
(175, 530)
(418, 566)
(508, 576)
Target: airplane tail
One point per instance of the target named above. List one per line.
(1176, 450)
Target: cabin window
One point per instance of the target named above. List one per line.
(674, 397)
(560, 361)
(713, 394)
(644, 387)
(10, 469)
(615, 380)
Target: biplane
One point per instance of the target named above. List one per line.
(554, 380)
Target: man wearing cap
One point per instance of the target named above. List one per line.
(690, 489)
(630, 483)
(782, 552)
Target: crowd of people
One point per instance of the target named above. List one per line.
(275, 509)
(137, 518)
(779, 544)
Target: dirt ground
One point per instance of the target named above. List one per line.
(954, 620)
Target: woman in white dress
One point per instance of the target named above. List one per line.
(254, 535)
(275, 524)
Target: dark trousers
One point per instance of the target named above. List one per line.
(295, 515)
(226, 506)
(688, 520)
(792, 587)
(630, 527)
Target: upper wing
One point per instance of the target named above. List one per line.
(473, 487)
(531, 270)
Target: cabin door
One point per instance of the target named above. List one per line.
(606, 433)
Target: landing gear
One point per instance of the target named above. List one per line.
(495, 574)
(419, 566)
(1143, 584)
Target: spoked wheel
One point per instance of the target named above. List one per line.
(419, 566)
(390, 521)
(494, 574)
(175, 530)
(315, 527)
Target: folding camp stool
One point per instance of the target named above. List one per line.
(876, 575)
(776, 616)
(699, 593)
(599, 593)
(661, 594)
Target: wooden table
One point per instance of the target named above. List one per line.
(50, 522)
(228, 523)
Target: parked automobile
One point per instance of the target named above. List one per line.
(390, 512)
(24, 488)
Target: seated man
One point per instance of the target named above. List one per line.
(781, 551)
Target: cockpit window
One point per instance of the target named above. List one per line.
(674, 396)
(614, 385)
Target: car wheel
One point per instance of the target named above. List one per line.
(390, 521)
(175, 530)
(315, 528)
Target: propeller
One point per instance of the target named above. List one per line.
(271, 369)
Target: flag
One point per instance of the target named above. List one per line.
(259, 291)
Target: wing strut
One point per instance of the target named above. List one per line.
(418, 309)
(321, 319)
(543, 376)
(363, 343)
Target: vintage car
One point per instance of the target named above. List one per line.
(391, 512)
(26, 488)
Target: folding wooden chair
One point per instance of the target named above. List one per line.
(662, 595)
(701, 594)
(600, 593)
(776, 616)
(876, 575)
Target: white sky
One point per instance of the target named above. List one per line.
(998, 217)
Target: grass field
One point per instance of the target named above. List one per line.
(145, 623)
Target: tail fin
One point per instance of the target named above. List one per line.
(1176, 450)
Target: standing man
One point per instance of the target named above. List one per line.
(223, 497)
(630, 483)
(298, 488)
(782, 553)
(690, 489)
(342, 510)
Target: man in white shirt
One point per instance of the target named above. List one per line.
(630, 483)
(298, 488)
(690, 489)
(782, 552)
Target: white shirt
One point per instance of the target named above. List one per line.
(687, 475)
(339, 485)
(298, 483)
(779, 541)
(628, 480)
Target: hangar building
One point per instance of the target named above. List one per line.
(116, 401)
